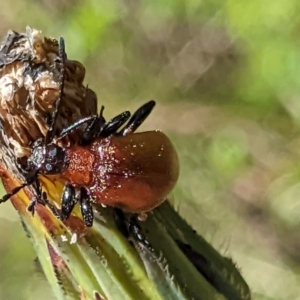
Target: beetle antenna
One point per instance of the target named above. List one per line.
(18, 188)
(62, 57)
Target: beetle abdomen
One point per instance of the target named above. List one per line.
(135, 172)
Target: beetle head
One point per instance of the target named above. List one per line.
(49, 159)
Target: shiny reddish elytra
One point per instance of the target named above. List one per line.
(134, 172)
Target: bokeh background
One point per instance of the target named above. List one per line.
(226, 77)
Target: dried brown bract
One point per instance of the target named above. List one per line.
(29, 86)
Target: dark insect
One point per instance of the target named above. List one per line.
(110, 165)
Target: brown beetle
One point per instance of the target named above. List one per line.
(115, 167)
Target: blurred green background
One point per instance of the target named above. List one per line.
(226, 77)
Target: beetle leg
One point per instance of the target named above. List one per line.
(32, 204)
(98, 128)
(136, 232)
(86, 207)
(94, 125)
(88, 120)
(114, 124)
(35, 200)
(92, 131)
(42, 199)
(68, 201)
(120, 221)
(138, 118)
(130, 228)
(56, 212)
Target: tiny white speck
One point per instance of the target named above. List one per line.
(73, 238)
(64, 238)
